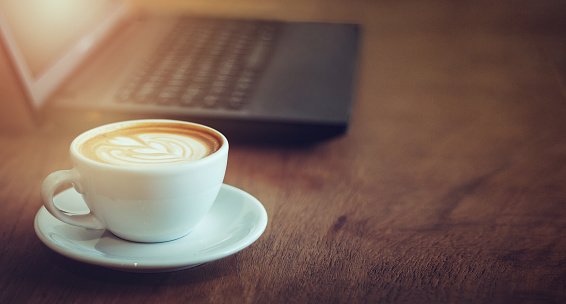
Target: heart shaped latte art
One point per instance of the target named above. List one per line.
(150, 148)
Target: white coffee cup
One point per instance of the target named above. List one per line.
(143, 188)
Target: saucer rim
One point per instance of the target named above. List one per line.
(158, 265)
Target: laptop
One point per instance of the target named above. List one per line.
(83, 63)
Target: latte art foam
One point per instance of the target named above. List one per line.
(150, 149)
(150, 145)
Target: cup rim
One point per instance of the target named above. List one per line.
(75, 153)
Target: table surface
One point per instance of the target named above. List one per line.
(448, 187)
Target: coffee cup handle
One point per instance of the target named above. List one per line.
(51, 183)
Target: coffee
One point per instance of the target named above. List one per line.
(147, 180)
(150, 143)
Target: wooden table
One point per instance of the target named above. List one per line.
(449, 186)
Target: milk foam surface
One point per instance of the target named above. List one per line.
(145, 146)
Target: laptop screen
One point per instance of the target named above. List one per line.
(47, 38)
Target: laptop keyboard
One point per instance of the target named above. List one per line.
(204, 63)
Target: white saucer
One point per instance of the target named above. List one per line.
(234, 222)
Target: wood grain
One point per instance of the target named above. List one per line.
(448, 187)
